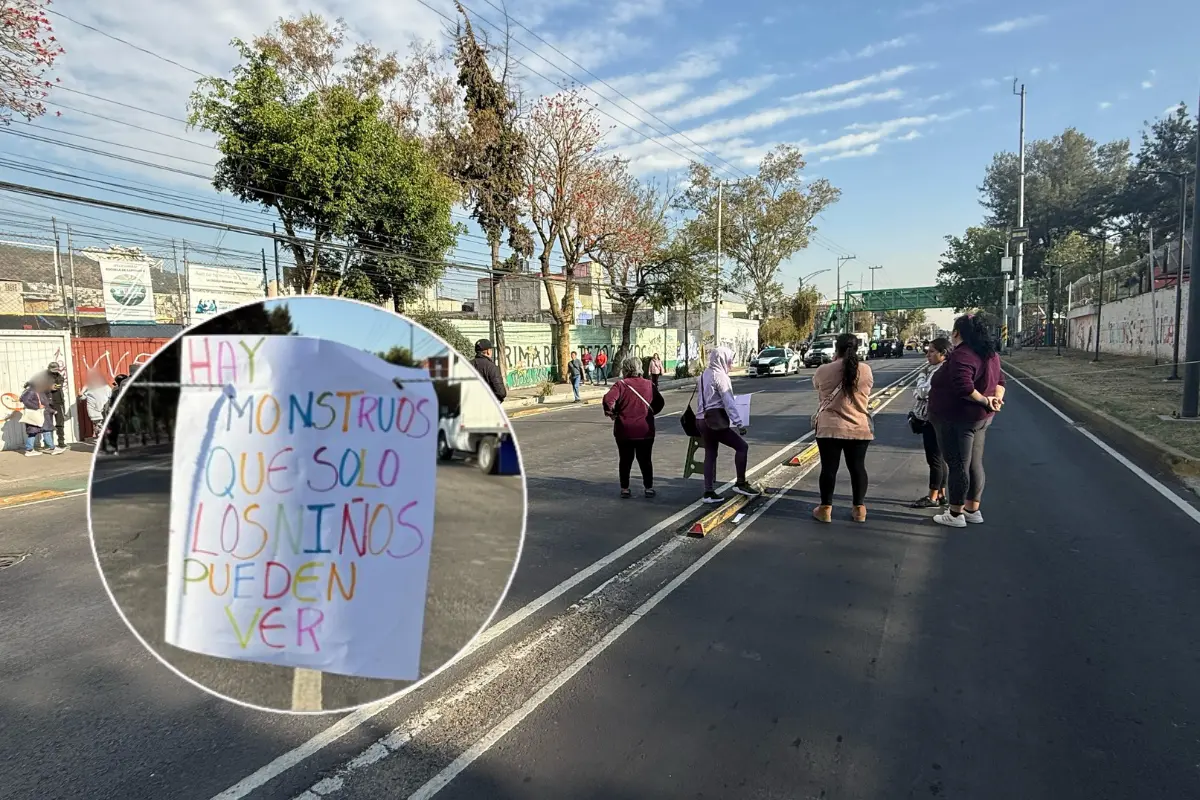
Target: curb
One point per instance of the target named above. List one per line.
(1180, 462)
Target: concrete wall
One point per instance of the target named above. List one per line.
(529, 352)
(1127, 326)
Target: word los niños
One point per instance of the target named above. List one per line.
(333, 411)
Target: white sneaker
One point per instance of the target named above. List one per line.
(58, 450)
(31, 453)
(973, 517)
(951, 521)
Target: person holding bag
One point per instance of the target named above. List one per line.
(843, 425)
(716, 422)
(918, 421)
(38, 417)
(632, 404)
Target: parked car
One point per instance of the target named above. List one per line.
(775, 361)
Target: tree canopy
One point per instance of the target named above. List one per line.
(969, 271)
(28, 50)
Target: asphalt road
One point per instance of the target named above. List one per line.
(478, 522)
(1049, 653)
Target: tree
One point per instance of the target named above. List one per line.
(904, 324)
(682, 282)
(765, 219)
(564, 174)
(1151, 200)
(28, 49)
(444, 330)
(969, 273)
(777, 331)
(803, 310)
(301, 132)
(487, 160)
(862, 321)
(1072, 183)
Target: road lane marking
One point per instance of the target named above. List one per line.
(359, 717)
(29, 497)
(1147, 478)
(471, 754)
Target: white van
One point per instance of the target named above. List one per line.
(864, 345)
(476, 426)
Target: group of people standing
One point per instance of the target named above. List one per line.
(955, 397)
(44, 411)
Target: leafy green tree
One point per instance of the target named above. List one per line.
(301, 132)
(1151, 199)
(904, 324)
(969, 272)
(765, 219)
(445, 330)
(803, 310)
(487, 160)
(683, 282)
(777, 331)
(1072, 183)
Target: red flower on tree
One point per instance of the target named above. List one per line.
(29, 49)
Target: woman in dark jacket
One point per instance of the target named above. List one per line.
(964, 394)
(631, 404)
(34, 398)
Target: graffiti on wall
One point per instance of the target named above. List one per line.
(10, 403)
(110, 362)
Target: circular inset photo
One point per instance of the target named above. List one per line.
(307, 504)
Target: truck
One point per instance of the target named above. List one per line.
(470, 422)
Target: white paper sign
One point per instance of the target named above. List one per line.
(302, 506)
(128, 289)
(742, 403)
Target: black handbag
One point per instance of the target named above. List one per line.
(687, 419)
(916, 424)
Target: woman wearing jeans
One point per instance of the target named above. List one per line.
(935, 354)
(843, 425)
(34, 399)
(719, 423)
(964, 394)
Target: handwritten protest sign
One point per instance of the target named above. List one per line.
(302, 506)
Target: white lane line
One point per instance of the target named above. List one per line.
(355, 719)
(1150, 480)
(469, 756)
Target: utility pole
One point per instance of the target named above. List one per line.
(717, 287)
(266, 282)
(1191, 373)
(1019, 264)
(278, 278)
(841, 305)
(1182, 178)
(1100, 290)
(877, 266)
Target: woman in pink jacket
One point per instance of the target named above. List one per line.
(843, 425)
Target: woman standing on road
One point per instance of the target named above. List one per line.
(843, 425)
(632, 404)
(935, 355)
(964, 394)
(719, 423)
(656, 369)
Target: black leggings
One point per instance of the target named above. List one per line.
(855, 453)
(933, 457)
(961, 444)
(641, 449)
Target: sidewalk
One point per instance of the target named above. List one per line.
(69, 471)
(529, 396)
(1130, 391)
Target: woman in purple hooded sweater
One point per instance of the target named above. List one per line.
(963, 396)
(719, 423)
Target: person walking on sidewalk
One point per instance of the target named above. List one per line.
(656, 369)
(487, 369)
(38, 416)
(96, 395)
(935, 355)
(964, 395)
(719, 423)
(602, 367)
(843, 425)
(588, 368)
(57, 399)
(575, 373)
(632, 404)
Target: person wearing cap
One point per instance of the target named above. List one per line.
(488, 370)
(58, 402)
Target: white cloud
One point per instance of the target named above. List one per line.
(1033, 73)
(926, 102)
(1016, 24)
(1147, 85)
(886, 76)
(866, 137)
(861, 152)
(725, 96)
(931, 7)
(985, 108)
(627, 11)
(868, 51)
(1105, 105)
(1153, 72)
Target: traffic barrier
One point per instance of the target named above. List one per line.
(692, 465)
(803, 456)
(710, 521)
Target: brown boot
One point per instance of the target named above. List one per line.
(859, 514)
(823, 513)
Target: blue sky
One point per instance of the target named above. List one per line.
(357, 325)
(900, 104)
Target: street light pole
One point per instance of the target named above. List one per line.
(1182, 178)
(1190, 408)
(1100, 291)
(877, 266)
(717, 288)
(1018, 264)
(841, 305)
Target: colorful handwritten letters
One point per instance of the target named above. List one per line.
(302, 506)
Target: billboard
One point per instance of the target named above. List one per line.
(128, 291)
(215, 289)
